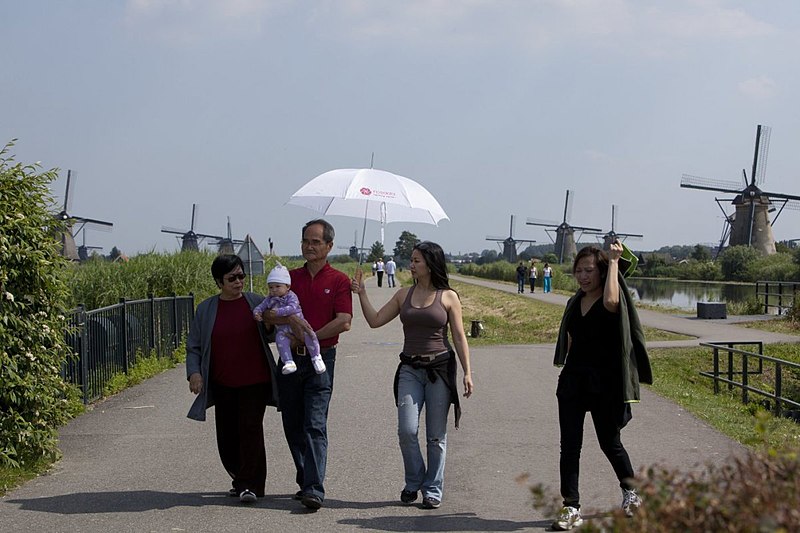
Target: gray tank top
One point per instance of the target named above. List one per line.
(425, 329)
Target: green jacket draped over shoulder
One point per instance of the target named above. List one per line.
(635, 362)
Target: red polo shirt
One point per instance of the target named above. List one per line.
(322, 297)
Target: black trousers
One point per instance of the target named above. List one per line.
(609, 416)
(239, 417)
(380, 278)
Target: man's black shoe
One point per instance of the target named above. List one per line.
(408, 496)
(312, 501)
(298, 495)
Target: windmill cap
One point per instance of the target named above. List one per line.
(279, 274)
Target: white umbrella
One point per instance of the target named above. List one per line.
(369, 193)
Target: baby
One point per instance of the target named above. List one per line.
(285, 303)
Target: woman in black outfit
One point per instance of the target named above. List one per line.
(601, 347)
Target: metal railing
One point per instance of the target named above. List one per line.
(778, 295)
(736, 363)
(108, 341)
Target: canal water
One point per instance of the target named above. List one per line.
(686, 294)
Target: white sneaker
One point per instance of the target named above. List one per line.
(247, 496)
(630, 501)
(568, 518)
(319, 365)
(288, 368)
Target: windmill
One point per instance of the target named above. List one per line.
(749, 225)
(68, 248)
(510, 244)
(83, 250)
(225, 245)
(190, 240)
(353, 250)
(613, 234)
(564, 242)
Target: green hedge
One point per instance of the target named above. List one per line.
(34, 401)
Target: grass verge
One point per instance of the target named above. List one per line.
(508, 319)
(676, 377)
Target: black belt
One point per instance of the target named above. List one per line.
(302, 351)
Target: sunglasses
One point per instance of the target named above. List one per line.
(234, 277)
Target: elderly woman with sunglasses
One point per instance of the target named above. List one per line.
(229, 365)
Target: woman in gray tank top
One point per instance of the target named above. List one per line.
(426, 375)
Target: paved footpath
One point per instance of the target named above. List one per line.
(136, 463)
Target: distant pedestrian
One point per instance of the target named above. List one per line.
(532, 274)
(230, 366)
(426, 375)
(601, 348)
(547, 276)
(391, 268)
(520, 278)
(380, 268)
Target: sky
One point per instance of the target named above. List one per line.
(496, 107)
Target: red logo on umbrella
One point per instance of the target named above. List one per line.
(365, 191)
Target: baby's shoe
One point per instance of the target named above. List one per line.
(319, 365)
(288, 368)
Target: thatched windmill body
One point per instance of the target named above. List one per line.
(75, 224)
(612, 234)
(749, 224)
(190, 239)
(353, 251)
(510, 244)
(84, 250)
(226, 245)
(564, 241)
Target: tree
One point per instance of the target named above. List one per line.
(32, 316)
(487, 256)
(735, 260)
(550, 257)
(375, 252)
(404, 245)
(701, 253)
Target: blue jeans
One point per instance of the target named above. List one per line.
(304, 399)
(520, 285)
(415, 390)
(547, 284)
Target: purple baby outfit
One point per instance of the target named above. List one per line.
(287, 305)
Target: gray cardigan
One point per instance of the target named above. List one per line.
(198, 352)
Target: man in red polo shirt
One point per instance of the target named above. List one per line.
(327, 304)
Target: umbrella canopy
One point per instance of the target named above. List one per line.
(370, 193)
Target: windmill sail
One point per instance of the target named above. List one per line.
(750, 224)
(510, 244)
(565, 247)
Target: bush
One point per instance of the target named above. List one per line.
(757, 492)
(735, 263)
(100, 283)
(698, 270)
(34, 400)
(776, 267)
